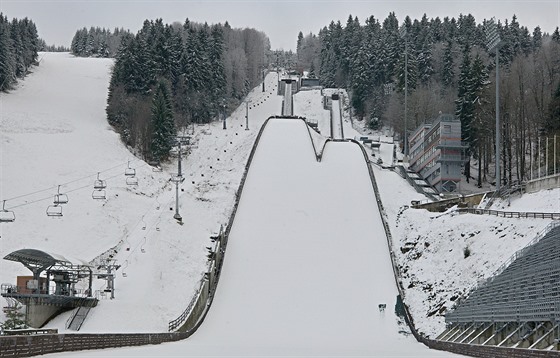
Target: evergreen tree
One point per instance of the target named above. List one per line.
(537, 38)
(163, 125)
(216, 64)
(556, 35)
(299, 43)
(17, 46)
(552, 124)
(448, 74)
(15, 319)
(464, 103)
(7, 60)
(425, 62)
(311, 73)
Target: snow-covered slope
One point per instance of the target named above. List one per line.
(54, 132)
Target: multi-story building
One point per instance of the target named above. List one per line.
(437, 154)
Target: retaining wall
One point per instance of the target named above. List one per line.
(549, 182)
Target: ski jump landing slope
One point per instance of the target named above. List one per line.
(307, 262)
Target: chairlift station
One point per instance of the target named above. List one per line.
(43, 301)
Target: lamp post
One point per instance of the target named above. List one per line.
(247, 115)
(224, 112)
(403, 33)
(493, 40)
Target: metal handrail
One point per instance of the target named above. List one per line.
(511, 214)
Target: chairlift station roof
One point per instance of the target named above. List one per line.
(38, 258)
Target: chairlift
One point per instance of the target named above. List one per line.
(99, 194)
(142, 247)
(124, 266)
(129, 172)
(54, 210)
(131, 180)
(99, 184)
(6, 216)
(60, 198)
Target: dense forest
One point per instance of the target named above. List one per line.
(19, 44)
(169, 76)
(97, 42)
(449, 70)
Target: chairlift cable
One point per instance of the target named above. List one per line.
(73, 181)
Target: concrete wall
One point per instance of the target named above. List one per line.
(38, 315)
(549, 182)
(442, 205)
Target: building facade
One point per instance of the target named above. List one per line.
(437, 154)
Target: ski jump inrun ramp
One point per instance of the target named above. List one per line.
(307, 262)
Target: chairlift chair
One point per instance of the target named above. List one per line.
(129, 172)
(6, 216)
(54, 210)
(131, 180)
(60, 198)
(99, 194)
(99, 184)
(125, 266)
(142, 247)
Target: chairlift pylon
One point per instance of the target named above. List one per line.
(54, 210)
(99, 184)
(60, 198)
(129, 172)
(6, 216)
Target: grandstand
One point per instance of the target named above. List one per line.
(519, 307)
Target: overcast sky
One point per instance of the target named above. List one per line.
(58, 20)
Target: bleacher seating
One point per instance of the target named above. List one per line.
(526, 291)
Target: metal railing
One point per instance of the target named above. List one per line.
(510, 214)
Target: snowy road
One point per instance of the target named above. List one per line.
(307, 262)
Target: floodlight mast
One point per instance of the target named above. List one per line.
(493, 41)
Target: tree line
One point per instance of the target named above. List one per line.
(19, 44)
(169, 76)
(97, 42)
(450, 70)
